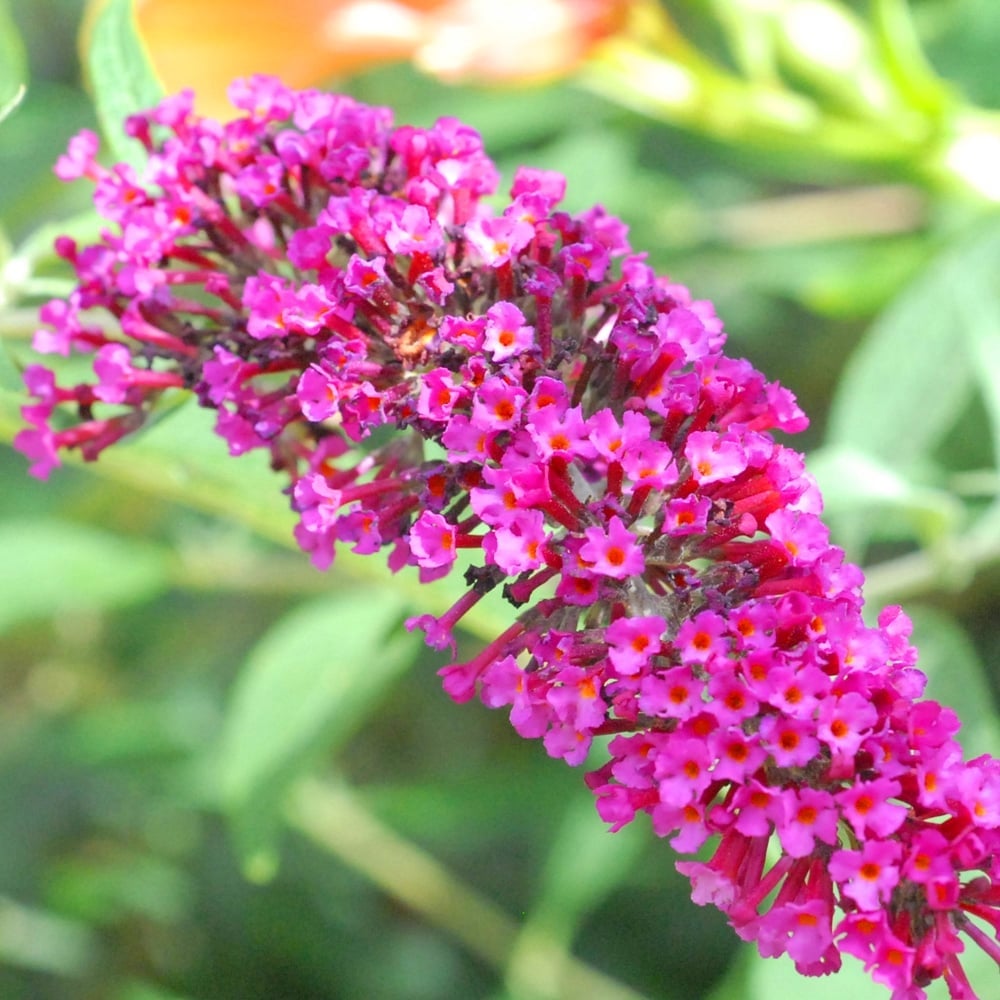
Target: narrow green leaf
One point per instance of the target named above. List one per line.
(55, 567)
(9, 105)
(750, 40)
(914, 374)
(13, 63)
(120, 73)
(305, 688)
(827, 45)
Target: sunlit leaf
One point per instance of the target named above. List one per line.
(39, 939)
(768, 978)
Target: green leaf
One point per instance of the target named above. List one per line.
(140, 990)
(957, 677)
(914, 374)
(13, 63)
(55, 567)
(830, 48)
(850, 478)
(121, 75)
(733, 985)
(102, 890)
(305, 688)
(30, 141)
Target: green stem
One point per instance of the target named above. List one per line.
(656, 71)
(903, 56)
(333, 818)
(935, 570)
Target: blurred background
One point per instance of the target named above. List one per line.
(226, 775)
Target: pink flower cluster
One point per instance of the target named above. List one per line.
(434, 376)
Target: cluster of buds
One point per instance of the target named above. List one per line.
(432, 376)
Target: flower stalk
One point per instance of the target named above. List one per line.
(429, 376)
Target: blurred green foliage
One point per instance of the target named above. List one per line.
(224, 775)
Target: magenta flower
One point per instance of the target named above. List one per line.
(315, 275)
(868, 876)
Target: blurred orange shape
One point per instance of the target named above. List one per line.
(205, 44)
(516, 41)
